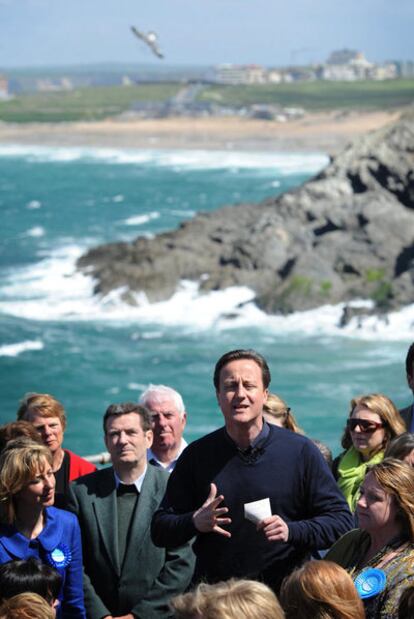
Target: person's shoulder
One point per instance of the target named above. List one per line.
(206, 441)
(78, 466)
(63, 516)
(156, 474)
(91, 481)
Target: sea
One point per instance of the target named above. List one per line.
(57, 337)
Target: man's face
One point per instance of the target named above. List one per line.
(167, 424)
(241, 393)
(125, 439)
(49, 428)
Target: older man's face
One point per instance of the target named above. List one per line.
(167, 424)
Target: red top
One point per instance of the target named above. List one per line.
(78, 466)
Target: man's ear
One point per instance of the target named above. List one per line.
(184, 419)
(149, 435)
(410, 381)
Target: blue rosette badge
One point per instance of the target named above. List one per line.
(370, 582)
(60, 557)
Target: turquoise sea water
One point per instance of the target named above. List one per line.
(56, 337)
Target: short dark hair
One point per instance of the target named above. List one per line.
(124, 408)
(235, 355)
(29, 575)
(409, 361)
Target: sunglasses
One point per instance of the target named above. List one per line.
(365, 425)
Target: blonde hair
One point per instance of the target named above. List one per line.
(386, 411)
(231, 599)
(26, 606)
(320, 590)
(397, 479)
(276, 408)
(20, 462)
(41, 404)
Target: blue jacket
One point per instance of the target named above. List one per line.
(58, 545)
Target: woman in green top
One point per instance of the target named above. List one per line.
(385, 539)
(373, 421)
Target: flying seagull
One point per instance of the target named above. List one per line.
(150, 38)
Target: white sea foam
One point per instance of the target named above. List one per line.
(33, 204)
(54, 290)
(14, 350)
(35, 232)
(283, 163)
(139, 220)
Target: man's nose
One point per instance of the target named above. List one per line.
(240, 390)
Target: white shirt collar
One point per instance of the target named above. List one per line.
(167, 467)
(137, 483)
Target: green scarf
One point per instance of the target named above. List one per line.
(351, 474)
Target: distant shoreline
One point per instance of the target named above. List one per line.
(327, 132)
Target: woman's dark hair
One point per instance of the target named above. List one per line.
(29, 575)
(400, 446)
(236, 355)
(406, 604)
(18, 429)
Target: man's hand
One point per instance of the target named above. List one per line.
(274, 528)
(208, 517)
(128, 616)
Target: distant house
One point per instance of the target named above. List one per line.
(240, 74)
(4, 88)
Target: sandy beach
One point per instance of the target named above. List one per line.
(325, 132)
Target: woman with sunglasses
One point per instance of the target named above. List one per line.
(278, 413)
(380, 554)
(373, 421)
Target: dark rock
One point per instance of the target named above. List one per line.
(347, 233)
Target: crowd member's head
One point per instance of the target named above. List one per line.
(232, 599)
(373, 421)
(128, 435)
(26, 606)
(406, 605)
(320, 590)
(27, 482)
(241, 379)
(277, 412)
(386, 504)
(48, 417)
(409, 367)
(30, 575)
(168, 420)
(325, 451)
(18, 429)
(402, 448)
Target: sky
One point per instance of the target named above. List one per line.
(202, 32)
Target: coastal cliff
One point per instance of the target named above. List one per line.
(346, 234)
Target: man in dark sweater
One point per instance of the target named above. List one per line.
(245, 462)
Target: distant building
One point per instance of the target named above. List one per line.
(342, 56)
(4, 88)
(241, 74)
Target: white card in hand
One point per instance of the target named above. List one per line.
(257, 510)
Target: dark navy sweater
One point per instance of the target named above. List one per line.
(289, 470)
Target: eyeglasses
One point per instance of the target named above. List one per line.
(365, 425)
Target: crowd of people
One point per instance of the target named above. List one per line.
(253, 520)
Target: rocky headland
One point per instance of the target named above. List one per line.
(346, 234)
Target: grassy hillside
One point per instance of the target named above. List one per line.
(82, 104)
(103, 102)
(318, 95)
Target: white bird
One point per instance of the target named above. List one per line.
(150, 38)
